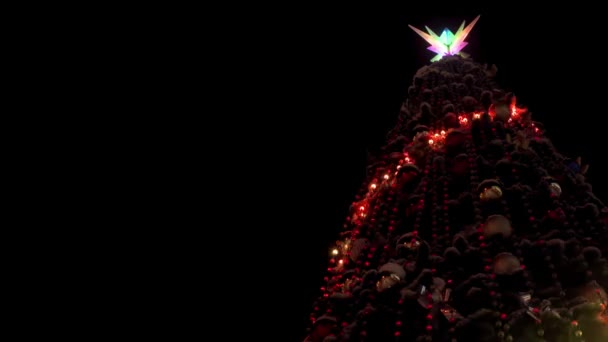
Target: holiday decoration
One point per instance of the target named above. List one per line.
(387, 282)
(555, 189)
(469, 226)
(506, 263)
(412, 245)
(497, 225)
(448, 43)
(393, 268)
(491, 193)
(425, 297)
(450, 313)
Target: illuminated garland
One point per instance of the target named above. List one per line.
(383, 180)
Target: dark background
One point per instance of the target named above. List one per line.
(342, 75)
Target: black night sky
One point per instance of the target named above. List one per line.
(343, 75)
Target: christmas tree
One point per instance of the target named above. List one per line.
(470, 225)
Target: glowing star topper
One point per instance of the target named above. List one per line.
(448, 43)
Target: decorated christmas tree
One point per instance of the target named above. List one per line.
(470, 225)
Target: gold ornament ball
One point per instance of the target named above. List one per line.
(555, 189)
(506, 263)
(497, 224)
(578, 333)
(386, 282)
(492, 193)
(502, 112)
(393, 268)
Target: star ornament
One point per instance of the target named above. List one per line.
(448, 43)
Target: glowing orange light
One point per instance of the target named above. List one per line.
(476, 116)
(465, 120)
(334, 252)
(514, 110)
(442, 132)
(341, 261)
(373, 186)
(361, 208)
(436, 135)
(386, 176)
(430, 141)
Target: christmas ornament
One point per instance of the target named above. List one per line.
(413, 244)
(407, 173)
(387, 281)
(450, 313)
(425, 298)
(393, 268)
(501, 112)
(492, 193)
(506, 264)
(555, 189)
(392, 273)
(497, 225)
